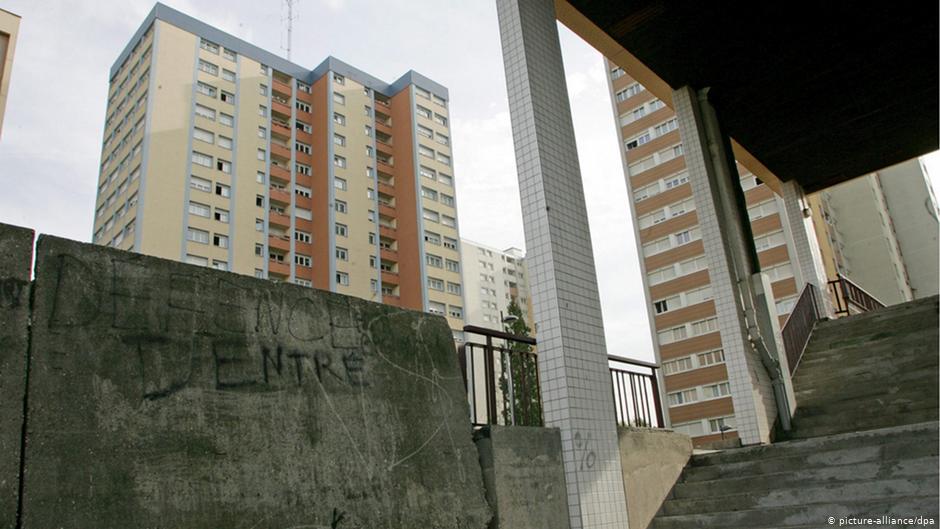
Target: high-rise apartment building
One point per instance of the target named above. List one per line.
(9, 28)
(221, 154)
(686, 327)
(881, 232)
(493, 278)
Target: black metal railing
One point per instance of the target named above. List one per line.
(800, 324)
(636, 392)
(848, 296)
(502, 378)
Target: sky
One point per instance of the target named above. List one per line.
(50, 148)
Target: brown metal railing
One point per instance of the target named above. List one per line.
(848, 295)
(800, 324)
(501, 378)
(635, 392)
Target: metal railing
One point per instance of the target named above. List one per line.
(502, 378)
(848, 296)
(800, 323)
(635, 392)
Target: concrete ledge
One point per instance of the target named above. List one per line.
(652, 461)
(16, 252)
(524, 474)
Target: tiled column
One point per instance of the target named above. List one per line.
(576, 386)
(720, 220)
(804, 252)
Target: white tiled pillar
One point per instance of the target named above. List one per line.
(721, 221)
(804, 250)
(576, 386)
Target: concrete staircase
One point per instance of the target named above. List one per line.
(865, 439)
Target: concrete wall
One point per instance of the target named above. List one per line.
(16, 249)
(168, 395)
(524, 473)
(652, 461)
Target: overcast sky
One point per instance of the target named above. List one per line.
(49, 152)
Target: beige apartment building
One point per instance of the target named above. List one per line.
(493, 278)
(685, 324)
(221, 154)
(9, 28)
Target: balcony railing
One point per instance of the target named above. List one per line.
(851, 298)
(800, 324)
(501, 376)
(635, 392)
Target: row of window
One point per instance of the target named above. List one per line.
(198, 260)
(655, 159)
(663, 184)
(645, 108)
(706, 426)
(428, 114)
(144, 38)
(121, 233)
(442, 286)
(138, 127)
(693, 361)
(453, 311)
(687, 330)
(652, 133)
(428, 152)
(431, 194)
(675, 209)
(138, 104)
(206, 211)
(210, 91)
(763, 209)
(421, 92)
(214, 48)
(431, 174)
(141, 81)
(202, 237)
(427, 132)
(683, 299)
(628, 92)
(434, 216)
(436, 239)
(436, 261)
(671, 241)
(674, 270)
(698, 393)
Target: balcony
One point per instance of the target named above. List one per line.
(278, 219)
(386, 210)
(280, 151)
(387, 254)
(280, 268)
(280, 127)
(280, 108)
(386, 189)
(279, 172)
(391, 299)
(280, 242)
(390, 278)
(281, 88)
(386, 231)
(279, 195)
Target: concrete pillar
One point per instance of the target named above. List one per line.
(576, 386)
(732, 260)
(805, 255)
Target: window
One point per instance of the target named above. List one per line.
(452, 266)
(428, 173)
(711, 358)
(440, 120)
(342, 230)
(436, 308)
(303, 191)
(450, 243)
(629, 91)
(300, 146)
(425, 131)
(230, 55)
(616, 72)
(303, 213)
(779, 272)
(201, 210)
(262, 111)
(339, 161)
(424, 151)
(692, 429)
(671, 335)
(303, 169)
(370, 152)
(339, 98)
(445, 179)
(422, 92)
(200, 236)
(209, 46)
(785, 306)
(637, 141)
(423, 112)
(339, 139)
(342, 278)
(259, 225)
(259, 250)
(263, 70)
(224, 166)
(204, 160)
(303, 127)
(259, 201)
(665, 305)
(434, 260)
(447, 220)
(263, 89)
(200, 184)
(339, 119)
(442, 139)
(228, 75)
(685, 396)
(761, 210)
(208, 67)
(430, 215)
(339, 79)
(666, 127)
(227, 97)
(220, 240)
(438, 100)
(302, 260)
(455, 312)
(302, 236)
(340, 183)
(368, 130)
(342, 254)
(225, 119)
(678, 365)
(301, 106)
(721, 424)
(435, 283)
(341, 206)
(262, 155)
(221, 215)
(433, 238)
(303, 282)
(429, 193)
(683, 237)
(304, 87)
(223, 190)
(205, 89)
(225, 143)
(443, 158)
(262, 133)
(705, 326)
(196, 260)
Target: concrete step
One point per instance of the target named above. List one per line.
(859, 333)
(801, 476)
(822, 426)
(901, 402)
(815, 515)
(921, 388)
(925, 305)
(882, 344)
(880, 370)
(803, 494)
(926, 432)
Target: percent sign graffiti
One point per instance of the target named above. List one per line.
(584, 449)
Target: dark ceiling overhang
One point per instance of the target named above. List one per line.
(819, 92)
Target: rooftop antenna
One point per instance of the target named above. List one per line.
(290, 24)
